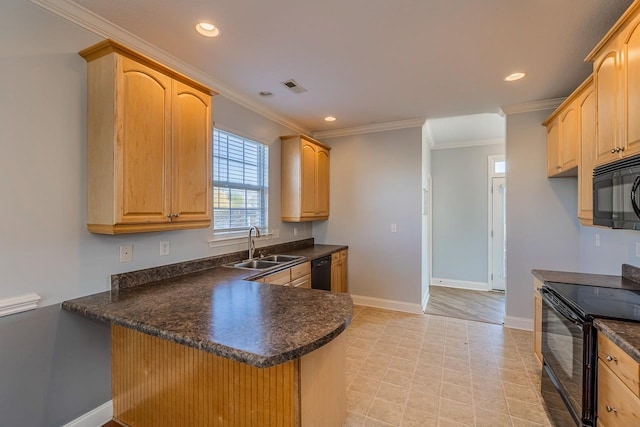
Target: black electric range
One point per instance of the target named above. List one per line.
(569, 345)
(600, 302)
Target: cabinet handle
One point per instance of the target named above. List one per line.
(613, 150)
(611, 358)
(169, 216)
(621, 149)
(611, 409)
(175, 215)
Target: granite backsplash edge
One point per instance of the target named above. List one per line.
(631, 272)
(153, 274)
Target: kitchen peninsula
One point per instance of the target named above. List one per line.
(212, 348)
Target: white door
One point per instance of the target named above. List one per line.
(498, 235)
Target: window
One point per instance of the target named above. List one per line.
(240, 182)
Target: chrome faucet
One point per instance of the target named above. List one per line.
(252, 243)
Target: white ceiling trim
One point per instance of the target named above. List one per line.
(527, 107)
(378, 127)
(100, 26)
(468, 143)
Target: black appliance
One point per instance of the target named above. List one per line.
(616, 194)
(569, 345)
(321, 273)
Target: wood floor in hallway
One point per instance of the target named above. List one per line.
(481, 306)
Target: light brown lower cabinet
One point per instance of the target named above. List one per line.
(537, 320)
(298, 276)
(339, 271)
(156, 382)
(618, 386)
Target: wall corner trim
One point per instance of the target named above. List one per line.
(425, 301)
(19, 304)
(376, 127)
(527, 107)
(523, 323)
(387, 304)
(96, 417)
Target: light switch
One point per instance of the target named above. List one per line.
(597, 239)
(165, 247)
(394, 228)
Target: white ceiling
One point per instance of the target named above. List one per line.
(377, 61)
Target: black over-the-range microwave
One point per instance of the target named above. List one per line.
(616, 194)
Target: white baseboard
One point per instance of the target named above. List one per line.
(523, 323)
(460, 284)
(387, 304)
(94, 418)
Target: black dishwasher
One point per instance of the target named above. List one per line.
(321, 273)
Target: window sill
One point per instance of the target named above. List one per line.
(231, 239)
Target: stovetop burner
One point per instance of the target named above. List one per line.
(596, 301)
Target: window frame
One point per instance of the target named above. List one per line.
(231, 236)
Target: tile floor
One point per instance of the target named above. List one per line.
(425, 370)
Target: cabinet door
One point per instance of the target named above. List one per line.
(191, 162)
(322, 203)
(335, 276)
(343, 276)
(308, 179)
(631, 89)
(143, 147)
(606, 75)
(553, 149)
(569, 138)
(587, 109)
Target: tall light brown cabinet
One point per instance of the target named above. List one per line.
(305, 179)
(616, 68)
(149, 144)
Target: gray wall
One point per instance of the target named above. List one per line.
(53, 365)
(376, 181)
(460, 212)
(617, 247)
(542, 224)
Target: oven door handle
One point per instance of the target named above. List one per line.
(561, 309)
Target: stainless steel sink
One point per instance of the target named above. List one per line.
(255, 264)
(280, 258)
(264, 263)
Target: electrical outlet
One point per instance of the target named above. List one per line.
(597, 239)
(638, 249)
(394, 228)
(295, 231)
(165, 247)
(126, 253)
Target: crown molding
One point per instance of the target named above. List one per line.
(468, 143)
(527, 107)
(378, 127)
(98, 25)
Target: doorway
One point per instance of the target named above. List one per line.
(497, 232)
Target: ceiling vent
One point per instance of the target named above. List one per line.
(294, 86)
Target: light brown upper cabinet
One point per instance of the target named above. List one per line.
(586, 101)
(305, 179)
(616, 68)
(571, 142)
(562, 140)
(149, 144)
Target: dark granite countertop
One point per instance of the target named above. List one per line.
(602, 280)
(625, 335)
(216, 311)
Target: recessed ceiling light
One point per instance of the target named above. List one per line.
(265, 93)
(513, 77)
(207, 29)
(329, 119)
